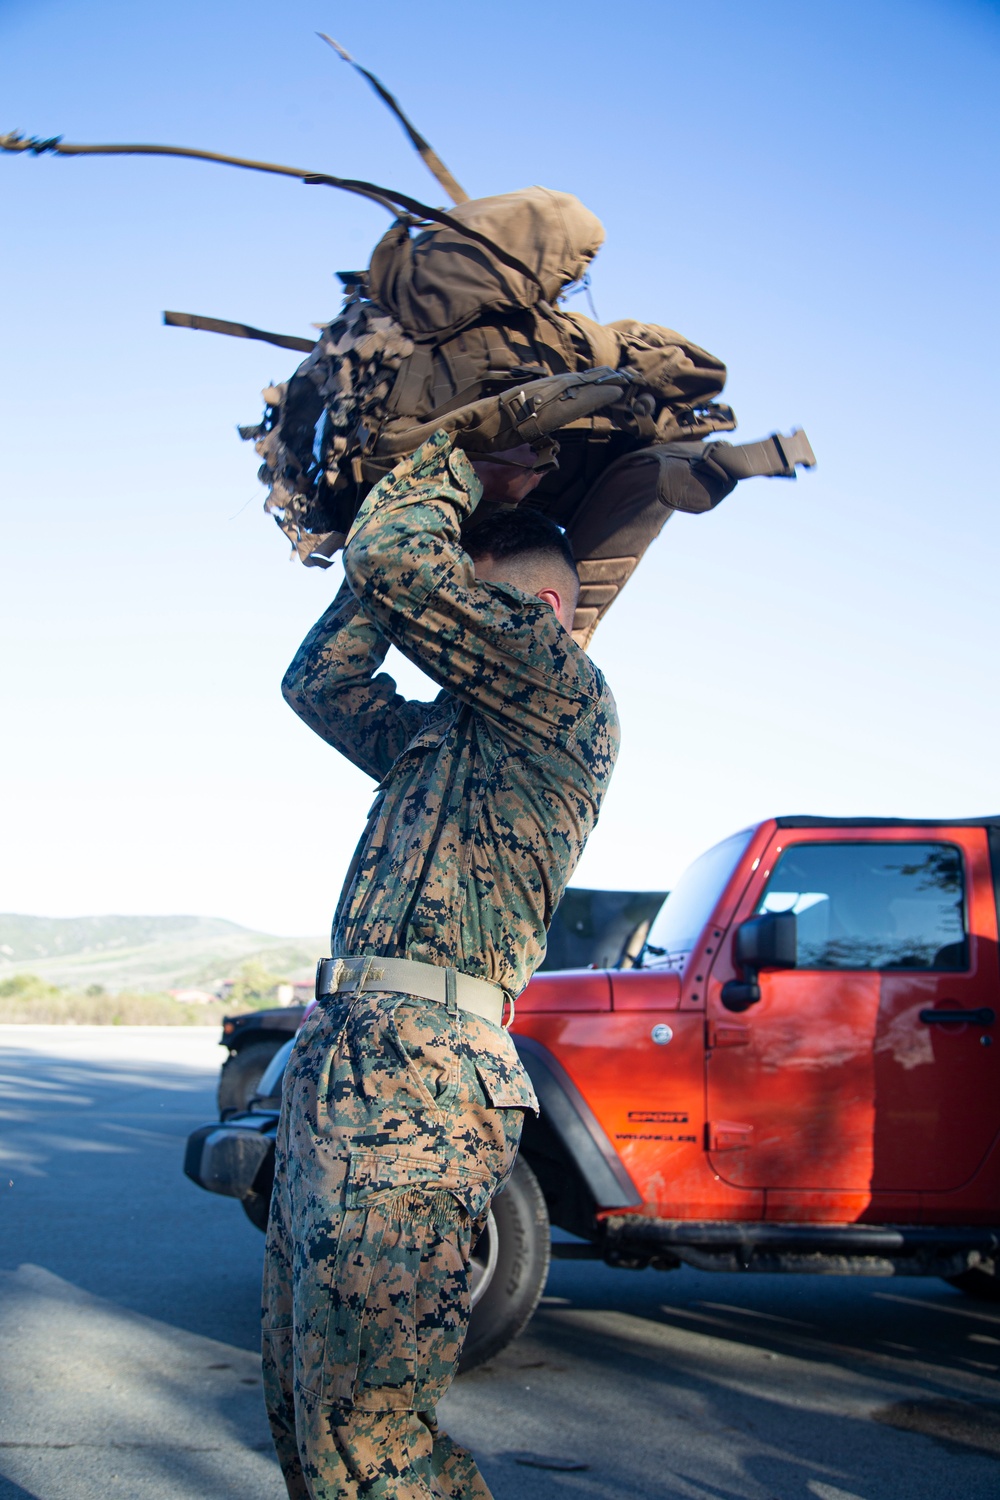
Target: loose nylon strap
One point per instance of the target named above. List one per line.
(388, 197)
(429, 156)
(237, 330)
(774, 457)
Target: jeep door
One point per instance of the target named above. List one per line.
(844, 1092)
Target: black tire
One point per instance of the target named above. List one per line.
(241, 1073)
(520, 1266)
(257, 1208)
(257, 1204)
(983, 1285)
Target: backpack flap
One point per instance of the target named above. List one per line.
(436, 282)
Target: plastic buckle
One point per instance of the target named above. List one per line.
(794, 447)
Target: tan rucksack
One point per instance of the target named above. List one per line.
(438, 325)
(460, 325)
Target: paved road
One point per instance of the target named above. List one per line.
(128, 1342)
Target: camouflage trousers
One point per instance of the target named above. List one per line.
(400, 1119)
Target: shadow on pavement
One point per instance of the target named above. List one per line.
(130, 1301)
(756, 1385)
(92, 1188)
(11, 1491)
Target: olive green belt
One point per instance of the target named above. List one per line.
(355, 974)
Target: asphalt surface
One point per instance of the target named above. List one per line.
(128, 1334)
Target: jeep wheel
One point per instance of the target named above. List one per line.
(257, 1207)
(510, 1265)
(241, 1073)
(984, 1285)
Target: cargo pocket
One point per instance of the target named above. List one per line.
(399, 1298)
(506, 1091)
(503, 1079)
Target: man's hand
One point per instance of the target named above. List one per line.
(530, 412)
(510, 476)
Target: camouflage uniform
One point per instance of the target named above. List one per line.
(401, 1117)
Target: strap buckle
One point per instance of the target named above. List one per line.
(795, 448)
(520, 410)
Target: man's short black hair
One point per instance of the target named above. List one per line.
(517, 531)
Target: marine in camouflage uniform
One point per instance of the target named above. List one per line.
(401, 1116)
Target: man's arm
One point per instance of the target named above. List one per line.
(332, 685)
(489, 644)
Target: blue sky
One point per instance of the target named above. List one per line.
(809, 192)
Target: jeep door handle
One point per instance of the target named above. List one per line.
(982, 1017)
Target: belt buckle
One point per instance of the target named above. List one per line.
(350, 975)
(358, 970)
(334, 975)
(340, 974)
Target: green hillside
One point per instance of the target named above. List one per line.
(145, 953)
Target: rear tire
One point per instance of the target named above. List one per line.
(257, 1207)
(241, 1073)
(510, 1263)
(520, 1255)
(983, 1285)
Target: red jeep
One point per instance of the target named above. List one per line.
(797, 1074)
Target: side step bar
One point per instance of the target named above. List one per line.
(824, 1249)
(844, 1239)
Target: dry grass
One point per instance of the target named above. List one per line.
(27, 1000)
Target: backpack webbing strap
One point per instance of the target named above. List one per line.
(410, 385)
(388, 197)
(426, 151)
(237, 330)
(774, 457)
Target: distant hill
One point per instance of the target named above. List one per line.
(165, 953)
(145, 953)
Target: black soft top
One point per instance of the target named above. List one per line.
(803, 821)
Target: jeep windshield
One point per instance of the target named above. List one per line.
(682, 917)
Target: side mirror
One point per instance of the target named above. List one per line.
(769, 941)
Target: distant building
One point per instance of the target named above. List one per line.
(289, 992)
(192, 996)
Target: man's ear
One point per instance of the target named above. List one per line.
(554, 600)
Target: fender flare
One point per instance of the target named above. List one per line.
(577, 1128)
